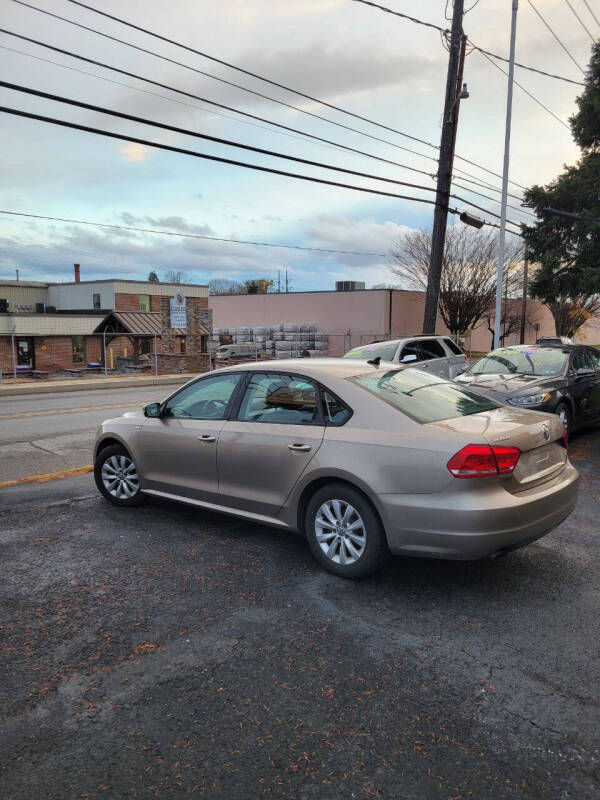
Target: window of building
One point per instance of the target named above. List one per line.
(78, 344)
(144, 302)
(182, 344)
(96, 300)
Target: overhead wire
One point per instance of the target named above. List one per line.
(587, 5)
(477, 47)
(466, 176)
(220, 140)
(246, 89)
(190, 235)
(581, 22)
(527, 92)
(564, 47)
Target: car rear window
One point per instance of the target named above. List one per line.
(422, 396)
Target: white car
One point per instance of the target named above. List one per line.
(436, 354)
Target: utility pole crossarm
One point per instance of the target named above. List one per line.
(445, 164)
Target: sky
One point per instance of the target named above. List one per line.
(348, 54)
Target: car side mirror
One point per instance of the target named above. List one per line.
(152, 410)
(408, 357)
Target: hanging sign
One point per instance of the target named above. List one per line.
(178, 311)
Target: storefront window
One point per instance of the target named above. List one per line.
(144, 302)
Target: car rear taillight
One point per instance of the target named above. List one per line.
(483, 461)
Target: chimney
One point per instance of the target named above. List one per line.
(77, 273)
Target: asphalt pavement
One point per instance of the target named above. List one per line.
(55, 431)
(165, 651)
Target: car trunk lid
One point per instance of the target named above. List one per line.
(539, 437)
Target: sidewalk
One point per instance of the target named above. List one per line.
(9, 388)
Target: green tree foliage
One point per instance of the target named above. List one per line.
(568, 250)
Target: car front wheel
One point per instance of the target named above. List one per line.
(117, 477)
(344, 532)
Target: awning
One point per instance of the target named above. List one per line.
(138, 323)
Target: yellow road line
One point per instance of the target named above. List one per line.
(52, 411)
(48, 476)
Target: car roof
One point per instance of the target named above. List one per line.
(318, 368)
(566, 348)
(409, 337)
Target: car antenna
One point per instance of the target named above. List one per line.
(375, 361)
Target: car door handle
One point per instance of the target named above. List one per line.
(299, 448)
(206, 437)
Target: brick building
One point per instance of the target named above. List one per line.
(48, 327)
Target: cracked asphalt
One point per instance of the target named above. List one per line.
(166, 652)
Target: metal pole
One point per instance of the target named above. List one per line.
(104, 350)
(502, 236)
(445, 163)
(12, 345)
(155, 357)
(524, 307)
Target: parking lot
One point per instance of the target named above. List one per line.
(164, 652)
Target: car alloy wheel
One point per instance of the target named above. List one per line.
(340, 532)
(119, 477)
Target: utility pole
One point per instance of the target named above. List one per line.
(445, 163)
(287, 285)
(524, 306)
(502, 236)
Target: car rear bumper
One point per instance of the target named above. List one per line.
(471, 525)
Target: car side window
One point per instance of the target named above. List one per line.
(411, 352)
(582, 360)
(431, 348)
(453, 347)
(279, 398)
(207, 398)
(336, 413)
(595, 356)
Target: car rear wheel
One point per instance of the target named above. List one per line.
(344, 532)
(117, 477)
(564, 413)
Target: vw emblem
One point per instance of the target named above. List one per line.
(546, 431)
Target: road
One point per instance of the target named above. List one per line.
(55, 431)
(164, 651)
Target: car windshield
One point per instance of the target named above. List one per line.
(385, 351)
(422, 396)
(540, 361)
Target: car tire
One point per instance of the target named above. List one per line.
(344, 532)
(562, 410)
(116, 477)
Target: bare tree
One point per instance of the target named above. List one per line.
(468, 285)
(175, 276)
(226, 286)
(571, 313)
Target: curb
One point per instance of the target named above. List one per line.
(85, 385)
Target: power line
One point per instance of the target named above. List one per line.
(476, 47)
(581, 22)
(206, 156)
(567, 51)
(245, 89)
(190, 235)
(587, 5)
(527, 92)
(218, 140)
(241, 69)
(206, 137)
(219, 105)
(479, 182)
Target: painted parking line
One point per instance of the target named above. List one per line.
(48, 476)
(55, 411)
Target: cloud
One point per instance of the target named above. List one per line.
(134, 151)
(176, 223)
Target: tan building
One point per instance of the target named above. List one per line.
(48, 327)
(351, 318)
